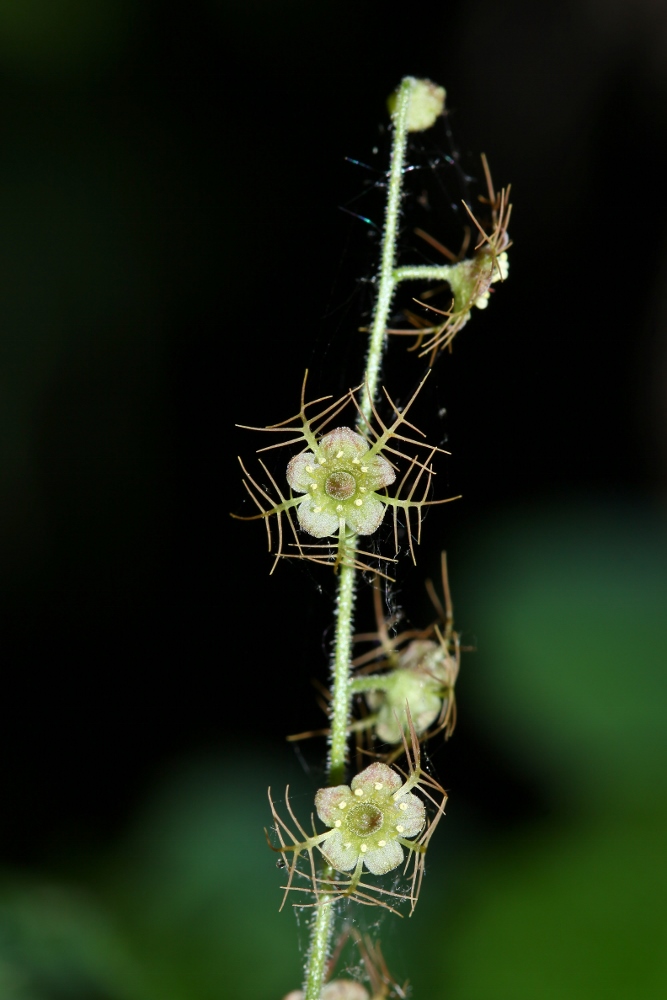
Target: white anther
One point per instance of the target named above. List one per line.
(396, 796)
(355, 461)
(348, 844)
(382, 843)
(338, 822)
(317, 510)
(309, 468)
(362, 489)
(358, 792)
(313, 486)
(364, 468)
(341, 805)
(377, 786)
(358, 503)
(399, 828)
(322, 461)
(339, 507)
(363, 848)
(340, 454)
(403, 806)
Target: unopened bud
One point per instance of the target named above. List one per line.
(427, 103)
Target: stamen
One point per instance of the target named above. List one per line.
(358, 792)
(338, 822)
(341, 805)
(340, 454)
(358, 503)
(339, 507)
(382, 843)
(364, 468)
(363, 848)
(399, 828)
(378, 785)
(403, 806)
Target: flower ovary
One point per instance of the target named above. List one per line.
(340, 485)
(364, 819)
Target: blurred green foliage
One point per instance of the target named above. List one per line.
(573, 648)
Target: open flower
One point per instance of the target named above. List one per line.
(371, 823)
(341, 478)
(370, 819)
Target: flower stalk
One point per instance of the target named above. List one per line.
(341, 694)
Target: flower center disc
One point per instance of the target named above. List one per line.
(364, 819)
(340, 485)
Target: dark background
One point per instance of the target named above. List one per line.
(173, 256)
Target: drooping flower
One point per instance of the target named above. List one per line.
(469, 278)
(414, 676)
(424, 678)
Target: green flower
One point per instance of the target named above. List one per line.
(369, 819)
(371, 824)
(424, 678)
(340, 479)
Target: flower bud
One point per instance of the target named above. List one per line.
(427, 103)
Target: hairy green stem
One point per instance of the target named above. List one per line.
(341, 693)
(342, 655)
(340, 667)
(386, 280)
(320, 937)
(423, 272)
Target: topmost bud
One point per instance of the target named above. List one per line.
(427, 102)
